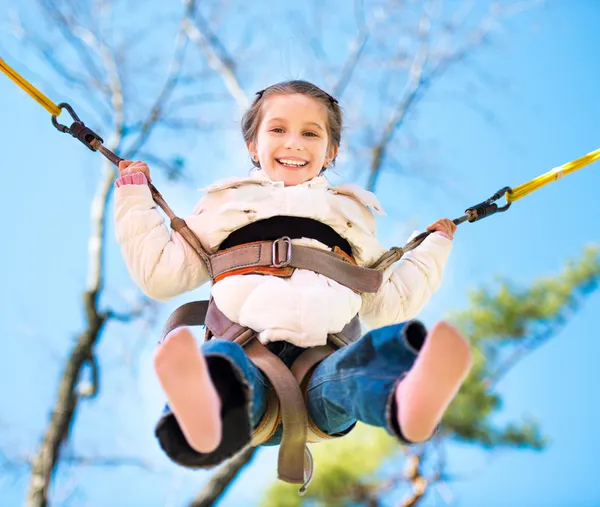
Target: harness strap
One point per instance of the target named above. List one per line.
(346, 336)
(188, 314)
(308, 359)
(179, 225)
(302, 369)
(282, 253)
(295, 463)
(291, 463)
(292, 410)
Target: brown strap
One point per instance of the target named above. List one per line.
(220, 325)
(302, 369)
(295, 464)
(291, 463)
(282, 253)
(308, 359)
(393, 255)
(290, 467)
(351, 332)
(179, 225)
(189, 314)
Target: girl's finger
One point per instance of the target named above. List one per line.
(135, 166)
(138, 167)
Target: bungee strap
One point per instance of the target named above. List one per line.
(552, 175)
(33, 92)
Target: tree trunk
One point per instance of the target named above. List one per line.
(63, 415)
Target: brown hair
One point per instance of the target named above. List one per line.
(253, 116)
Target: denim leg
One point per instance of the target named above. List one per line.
(247, 373)
(242, 389)
(357, 382)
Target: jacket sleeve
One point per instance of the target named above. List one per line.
(408, 285)
(159, 261)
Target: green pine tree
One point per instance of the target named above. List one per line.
(503, 323)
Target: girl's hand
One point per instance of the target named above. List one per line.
(130, 167)
(443, 225)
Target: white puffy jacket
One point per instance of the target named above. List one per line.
(301, 309)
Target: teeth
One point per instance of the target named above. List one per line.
(294, 163)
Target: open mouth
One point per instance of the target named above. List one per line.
(290, 163)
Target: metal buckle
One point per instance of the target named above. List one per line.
(275, 261)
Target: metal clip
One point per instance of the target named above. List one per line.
(78, 129)
(275, 258)
(487, 208)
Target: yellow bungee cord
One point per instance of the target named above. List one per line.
(38, 96)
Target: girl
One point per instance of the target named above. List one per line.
(397, 376)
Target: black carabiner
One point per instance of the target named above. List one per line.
(489, 207)
(78, 129)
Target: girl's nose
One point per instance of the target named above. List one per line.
(293, 141)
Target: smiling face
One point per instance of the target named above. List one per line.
(292, 143)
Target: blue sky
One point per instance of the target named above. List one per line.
(546, 110)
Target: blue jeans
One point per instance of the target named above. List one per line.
(355, 383)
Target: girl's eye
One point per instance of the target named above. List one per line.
(310, 134)
(277, 130)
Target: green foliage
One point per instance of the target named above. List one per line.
(505, 313)
(344, 470)
(502, 323)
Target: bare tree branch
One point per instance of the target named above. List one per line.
(76, 36)
(108, 461)
(409, 94)
(156, 111)
(356, 50)
(219, 482)
(68, 397)
(428, 65)
(124, 317)
(90, 390)
(89, 47)
(65, 407)
(144, 304)
(357, 47)
(413, 474)
(183, 102)
(199, 32)
(81, 354)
